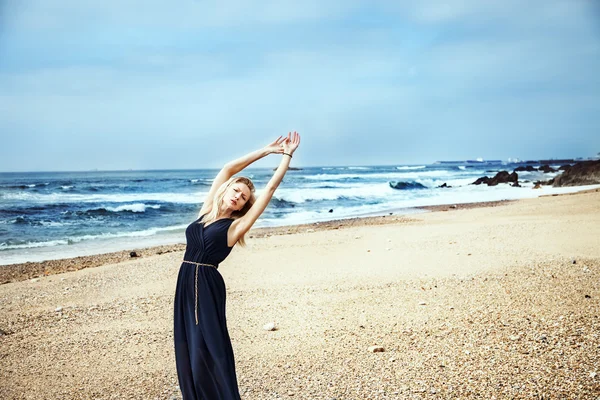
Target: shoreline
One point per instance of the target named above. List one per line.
(35, 269)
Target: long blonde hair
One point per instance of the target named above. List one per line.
(211, 216)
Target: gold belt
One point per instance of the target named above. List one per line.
(196, 285)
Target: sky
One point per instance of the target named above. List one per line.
(145, 84)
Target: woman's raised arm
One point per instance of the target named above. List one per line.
(242, 225)
(235, 166)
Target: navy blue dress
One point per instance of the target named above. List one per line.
(203, 351)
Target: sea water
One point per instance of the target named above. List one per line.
(49, 215)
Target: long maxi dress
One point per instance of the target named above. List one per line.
(203, 351)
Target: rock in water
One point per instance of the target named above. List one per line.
(528, 168)
(582, 173)
(546, 169)
(504, 177)
(406, 185)
(500, 177)
(479, 181)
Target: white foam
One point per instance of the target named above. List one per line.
(56, 223)
(408, 167)
(137, 207)
(182, 198)
(366, 191)
(66, 187)
(77, 239)
(29, 245)
(392, 176)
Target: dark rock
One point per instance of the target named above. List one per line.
(564, 167)
(548, 182)
(444, 185)
(406, 185)
(331, 210)
(537, 185)
(587, 296)
(582, 173)
(574, 261)
(500, 177)
(479, 181)
(503, 177)
(290, 169)
(516, 184)
(528, 168)
(133, 254)
(546, 169)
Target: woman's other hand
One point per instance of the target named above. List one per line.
(291, 143)
(277, 146)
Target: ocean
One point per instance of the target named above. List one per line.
(50, 215)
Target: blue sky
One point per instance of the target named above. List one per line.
(191, 84)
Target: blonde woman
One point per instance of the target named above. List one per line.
(203, 351)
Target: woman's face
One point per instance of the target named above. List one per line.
(236, 196)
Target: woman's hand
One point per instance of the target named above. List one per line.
(276, 147)
(291, 143)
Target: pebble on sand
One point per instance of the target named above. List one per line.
(58, 309)
(376, 349)
(269, 326)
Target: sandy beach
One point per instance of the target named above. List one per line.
(485, 302)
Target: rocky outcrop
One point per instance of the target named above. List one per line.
(582, 173)
(504, 177)
(290, 169)
(546, 169)
(406, 185)
(479, 181)
(528, 168)
(501, 177)
(564, 167)
(548, 182)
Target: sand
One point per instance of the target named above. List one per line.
(493, 302)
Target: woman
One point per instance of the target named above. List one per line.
(203, 351)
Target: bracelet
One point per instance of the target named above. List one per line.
(286, 154)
